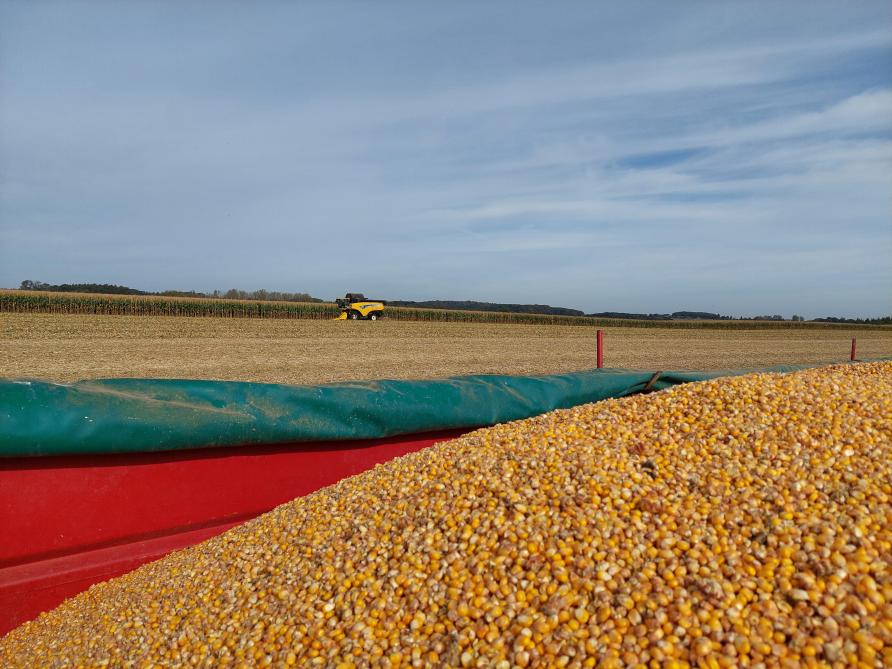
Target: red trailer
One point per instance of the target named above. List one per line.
(99, 477)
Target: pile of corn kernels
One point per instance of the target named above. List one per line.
(744, 521)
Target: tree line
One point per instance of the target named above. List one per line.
(885, 320)
(112, 289)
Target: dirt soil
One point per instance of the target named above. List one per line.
(71, 347)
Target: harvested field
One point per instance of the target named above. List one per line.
(737, 522)
(70, 347)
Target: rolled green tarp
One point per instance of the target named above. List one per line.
(139, 415)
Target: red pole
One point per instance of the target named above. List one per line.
(853, 348)
(601, 349)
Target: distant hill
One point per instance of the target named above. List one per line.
(633, 317)
(674, 316)
(698, 316)
(884, 320)
(470, 305)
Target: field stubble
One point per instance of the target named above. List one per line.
(71, 347)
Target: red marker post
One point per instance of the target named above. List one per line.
(600, 349)
(853, 349)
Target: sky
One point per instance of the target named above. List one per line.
(640, 157)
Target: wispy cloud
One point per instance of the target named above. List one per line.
(682, 73)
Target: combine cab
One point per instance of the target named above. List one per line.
(356, 307)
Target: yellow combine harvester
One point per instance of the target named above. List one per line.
(355, 307)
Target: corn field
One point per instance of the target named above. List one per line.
(138, 305)
(16, 301)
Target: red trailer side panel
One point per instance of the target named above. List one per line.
(69, 522)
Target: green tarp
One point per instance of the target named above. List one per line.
(135, 415)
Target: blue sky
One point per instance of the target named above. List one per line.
(731, 157)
